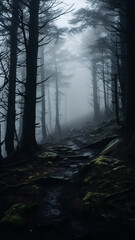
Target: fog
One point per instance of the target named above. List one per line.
(65, 78)
(78, 94)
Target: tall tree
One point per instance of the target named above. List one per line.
(95, 90)
(43, 101)
(10, 128)
(28, 141)
(57, 123)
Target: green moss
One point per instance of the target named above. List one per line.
(101, 160)
(92, 201)
(35, 187)
(87, 180)
(20, 170)
(49, 162)
(118, 168)
(48, 155)
(31, 176)
(104, 190)
(116, 186)
(108, 216)
(15, 215)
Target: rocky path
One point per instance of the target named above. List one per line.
(52, 184)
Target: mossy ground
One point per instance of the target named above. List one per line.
(20, 190)
(48, 155)
(105, 195)
(15, 215)
(108, 190)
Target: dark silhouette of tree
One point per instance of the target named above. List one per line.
(110, 16)
(10, 129)
(57, 123)
(28, 141)
(41, 18)
(43, 95)
(95, 90)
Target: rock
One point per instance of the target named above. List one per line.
(50, 155)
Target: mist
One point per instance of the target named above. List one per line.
(67, 121)
(72, 79)
(65, 63)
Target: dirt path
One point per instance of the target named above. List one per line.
(49, 186)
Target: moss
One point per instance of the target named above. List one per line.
(89, 163)
(118, 168)
(15, 215)
(34, 176)
(116, 186)
(101, 160)
(93, 201)
(87, 180)
(49, 162)
(48, 155)
(108, 216)
(104, 190)
(20, 170)
(31, 176)
(116, 162)
(35, 187)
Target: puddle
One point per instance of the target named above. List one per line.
(67, 174)
(70, 172)
(88, 154)
(73, 166)
(72, 145)
(52, 206)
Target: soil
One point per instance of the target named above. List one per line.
(70, 189)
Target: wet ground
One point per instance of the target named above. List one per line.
(60, 215)
(53, 183)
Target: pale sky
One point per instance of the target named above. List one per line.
(63, 20)
(79, 91)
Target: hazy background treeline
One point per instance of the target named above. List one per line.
(53, 71)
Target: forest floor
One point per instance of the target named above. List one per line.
(80, 185)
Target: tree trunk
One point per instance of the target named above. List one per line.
(49, 109)
(22, 104)
(43, 118)
(113, 72)
(116, 100)
(28, 142)
(57, 123)
(95, 90)
(104, 88)
(10, 127)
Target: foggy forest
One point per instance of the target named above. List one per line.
(67, 121)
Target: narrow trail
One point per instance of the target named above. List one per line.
(59, 213)
(61, 216)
